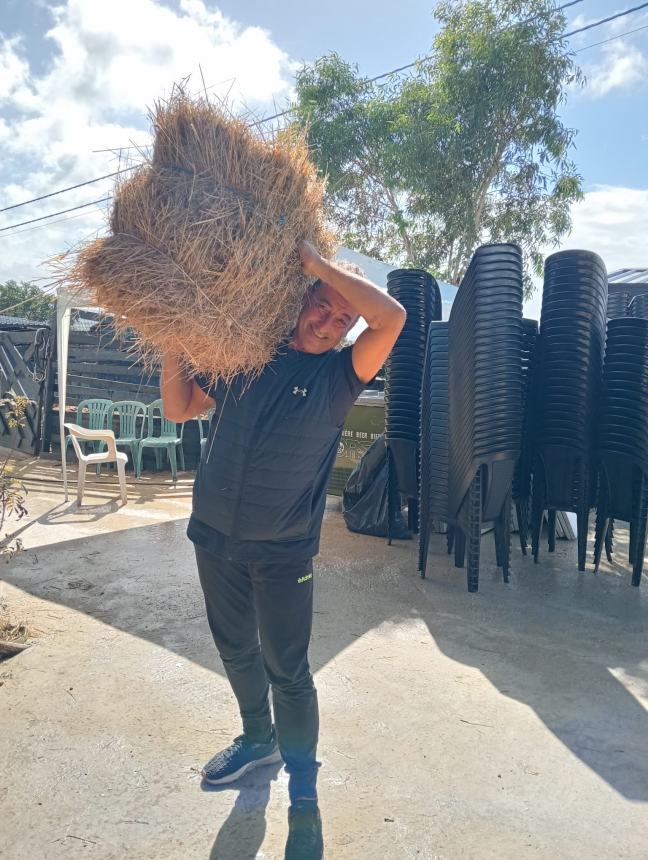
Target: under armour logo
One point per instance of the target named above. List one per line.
(302, 391)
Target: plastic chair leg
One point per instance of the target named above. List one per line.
(121, 473)
(171, 452)
(609, 541)
(392, 497)
(413, 516)
(473, 540)
(551, 530)
(582, 520)
(505, 538)
(537, 513)
(138, 464)
(158, 459)
(181, 455)
(81, 483)
(450, 537)
(522, 514)
(424, 546)
(600, 534)
(459, 547)
(640, 532)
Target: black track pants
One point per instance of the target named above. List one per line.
(261, 616)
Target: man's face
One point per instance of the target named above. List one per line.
(325, 319)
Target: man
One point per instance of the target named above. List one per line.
(259, 499)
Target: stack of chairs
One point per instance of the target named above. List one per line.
(522, 475)
(434, 438)
(485, 403)
(568, 382)
(419, 294)
(622, 440)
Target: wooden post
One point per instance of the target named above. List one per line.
(48, 398)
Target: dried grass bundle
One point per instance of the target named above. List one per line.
(203, 260)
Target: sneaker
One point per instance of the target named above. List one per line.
(304, 834)
(237, 759)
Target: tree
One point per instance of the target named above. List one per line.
(25, 300)
(467, 148)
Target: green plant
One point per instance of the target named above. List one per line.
(12, 491)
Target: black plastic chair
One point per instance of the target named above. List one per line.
(638, 306)
(568, 383)
(419, 294)
(434, 438)
(618, 303)
(522, 474)
(485, 403)
(623, 441)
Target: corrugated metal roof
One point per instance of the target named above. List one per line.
(628, 276)
(19, 322)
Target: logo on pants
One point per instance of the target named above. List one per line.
(305, 578)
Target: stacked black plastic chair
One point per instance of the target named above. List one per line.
(485, 407)
(419, 294)
(569, 371)
(638, 307)
(522, 475)
(618, 304)
(434, 438)
(623, 439)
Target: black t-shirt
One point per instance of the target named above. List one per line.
(330, 379)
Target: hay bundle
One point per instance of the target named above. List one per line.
(203, 260)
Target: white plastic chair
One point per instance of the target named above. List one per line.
(111, 455)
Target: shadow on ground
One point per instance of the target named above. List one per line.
(554, 640)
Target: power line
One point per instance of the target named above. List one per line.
(53, 214)
(69, 188)
(611, 39)
(51, 224)
(606, 20)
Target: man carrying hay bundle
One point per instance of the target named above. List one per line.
(259, 500)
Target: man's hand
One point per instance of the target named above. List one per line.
(310, 259)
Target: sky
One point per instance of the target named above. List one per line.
(76, 77)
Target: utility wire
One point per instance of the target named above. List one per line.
(69, 188)
(53, 214)
(611, 39)
(606, 20)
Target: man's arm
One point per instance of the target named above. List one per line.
(384, 316)
(182, 396)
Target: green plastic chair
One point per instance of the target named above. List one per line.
(129, 435)
(168, 440)
(203, 438)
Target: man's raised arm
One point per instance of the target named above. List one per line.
(182, 396)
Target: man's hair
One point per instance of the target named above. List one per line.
(352, 268)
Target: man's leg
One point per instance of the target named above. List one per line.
(283, 594)
(230, 611)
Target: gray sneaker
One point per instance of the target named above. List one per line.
(237, 759)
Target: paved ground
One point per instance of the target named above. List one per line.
(508, 724)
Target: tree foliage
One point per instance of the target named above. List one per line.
(23, 299)
(467, 148)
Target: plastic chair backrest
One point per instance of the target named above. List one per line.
(128, 411)
(85, 434)
(210, 415)
(98, 410)
(168, 428)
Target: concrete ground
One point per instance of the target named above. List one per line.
(507, 724)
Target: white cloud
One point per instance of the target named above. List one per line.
(111, 61)
(613, 222)
(621, 67)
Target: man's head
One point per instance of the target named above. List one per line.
(325, 318)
